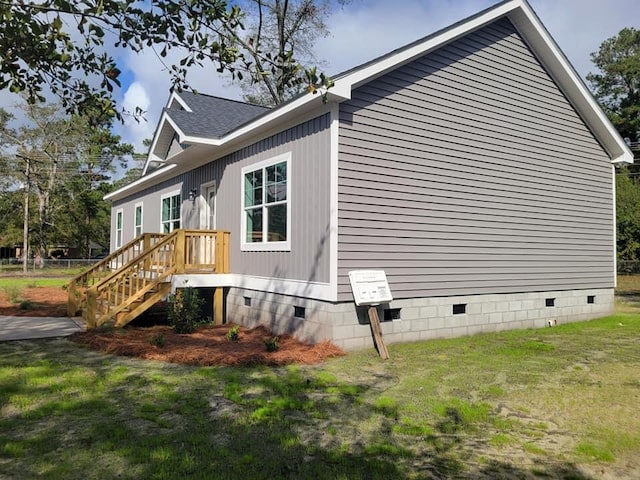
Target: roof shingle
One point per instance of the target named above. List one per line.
(212, 117)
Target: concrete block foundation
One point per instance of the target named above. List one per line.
(347, 326)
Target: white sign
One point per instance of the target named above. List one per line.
(370, 287)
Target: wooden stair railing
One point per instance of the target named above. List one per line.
(127, 292)
(77, 287)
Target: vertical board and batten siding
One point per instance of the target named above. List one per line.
(151, 209)
(468, 172)
(308, 260)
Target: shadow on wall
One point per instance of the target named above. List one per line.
(295, 320)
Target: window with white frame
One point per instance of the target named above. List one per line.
(266, 209)
(119, 215)
(171, 204)
(138, 220)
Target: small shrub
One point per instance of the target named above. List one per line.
(183, 310)
(272, 344)
(12, 292)
(233, 334)
(26, 305)
(158, 340)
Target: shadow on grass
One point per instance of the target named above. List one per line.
(68, 413)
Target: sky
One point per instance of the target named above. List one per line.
(364, 29)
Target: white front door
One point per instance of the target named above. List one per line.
(210, 197)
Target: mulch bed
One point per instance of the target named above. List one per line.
(206, 347)
(43, 302)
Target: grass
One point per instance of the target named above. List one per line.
(19, 283)
(444, 408)
(551, 403)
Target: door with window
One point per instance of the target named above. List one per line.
(208, 222)
(210, 196)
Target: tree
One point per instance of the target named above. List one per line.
(85, 217)
(617, 85)
(63, 45)
(628, 216)
(56, 161)
(276, 47)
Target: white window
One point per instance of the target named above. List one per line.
(171, 205)
(138, 220)
(119, 215)
(266, 209)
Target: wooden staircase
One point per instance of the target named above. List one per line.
(135, 277)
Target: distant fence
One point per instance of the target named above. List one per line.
(628, 267)
(15, 264)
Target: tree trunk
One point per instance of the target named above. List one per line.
(25, 229)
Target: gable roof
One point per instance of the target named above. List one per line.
(195, 116)
(518, 12)
(211, 117)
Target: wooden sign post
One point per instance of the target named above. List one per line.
(370, 288)
(374, 321)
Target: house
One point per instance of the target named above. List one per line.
(472, 166)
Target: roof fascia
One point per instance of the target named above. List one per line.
(152, 156)
(165, 119)
(390, 62)
(558, 66)
(175, 96)
(140, 182)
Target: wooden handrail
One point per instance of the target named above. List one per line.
(76, 298)
(123, 286)
(182, 251)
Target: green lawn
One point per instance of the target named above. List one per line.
(557, 402)
(29, 282)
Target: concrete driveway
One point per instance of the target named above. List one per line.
(27, 328)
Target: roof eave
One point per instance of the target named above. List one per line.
(137, 184)
(558, 66)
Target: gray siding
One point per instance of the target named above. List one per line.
(468, 172)
(151, 204)
(308, 260)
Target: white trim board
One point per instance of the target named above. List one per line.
(333, 199)
(294, 288)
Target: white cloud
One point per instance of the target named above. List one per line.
(135, 131)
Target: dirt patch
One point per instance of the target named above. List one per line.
(36, 302)
(206, 347)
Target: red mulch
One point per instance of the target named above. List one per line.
(45, 302)
(206, 347)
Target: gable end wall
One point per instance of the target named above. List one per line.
(468, 172)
